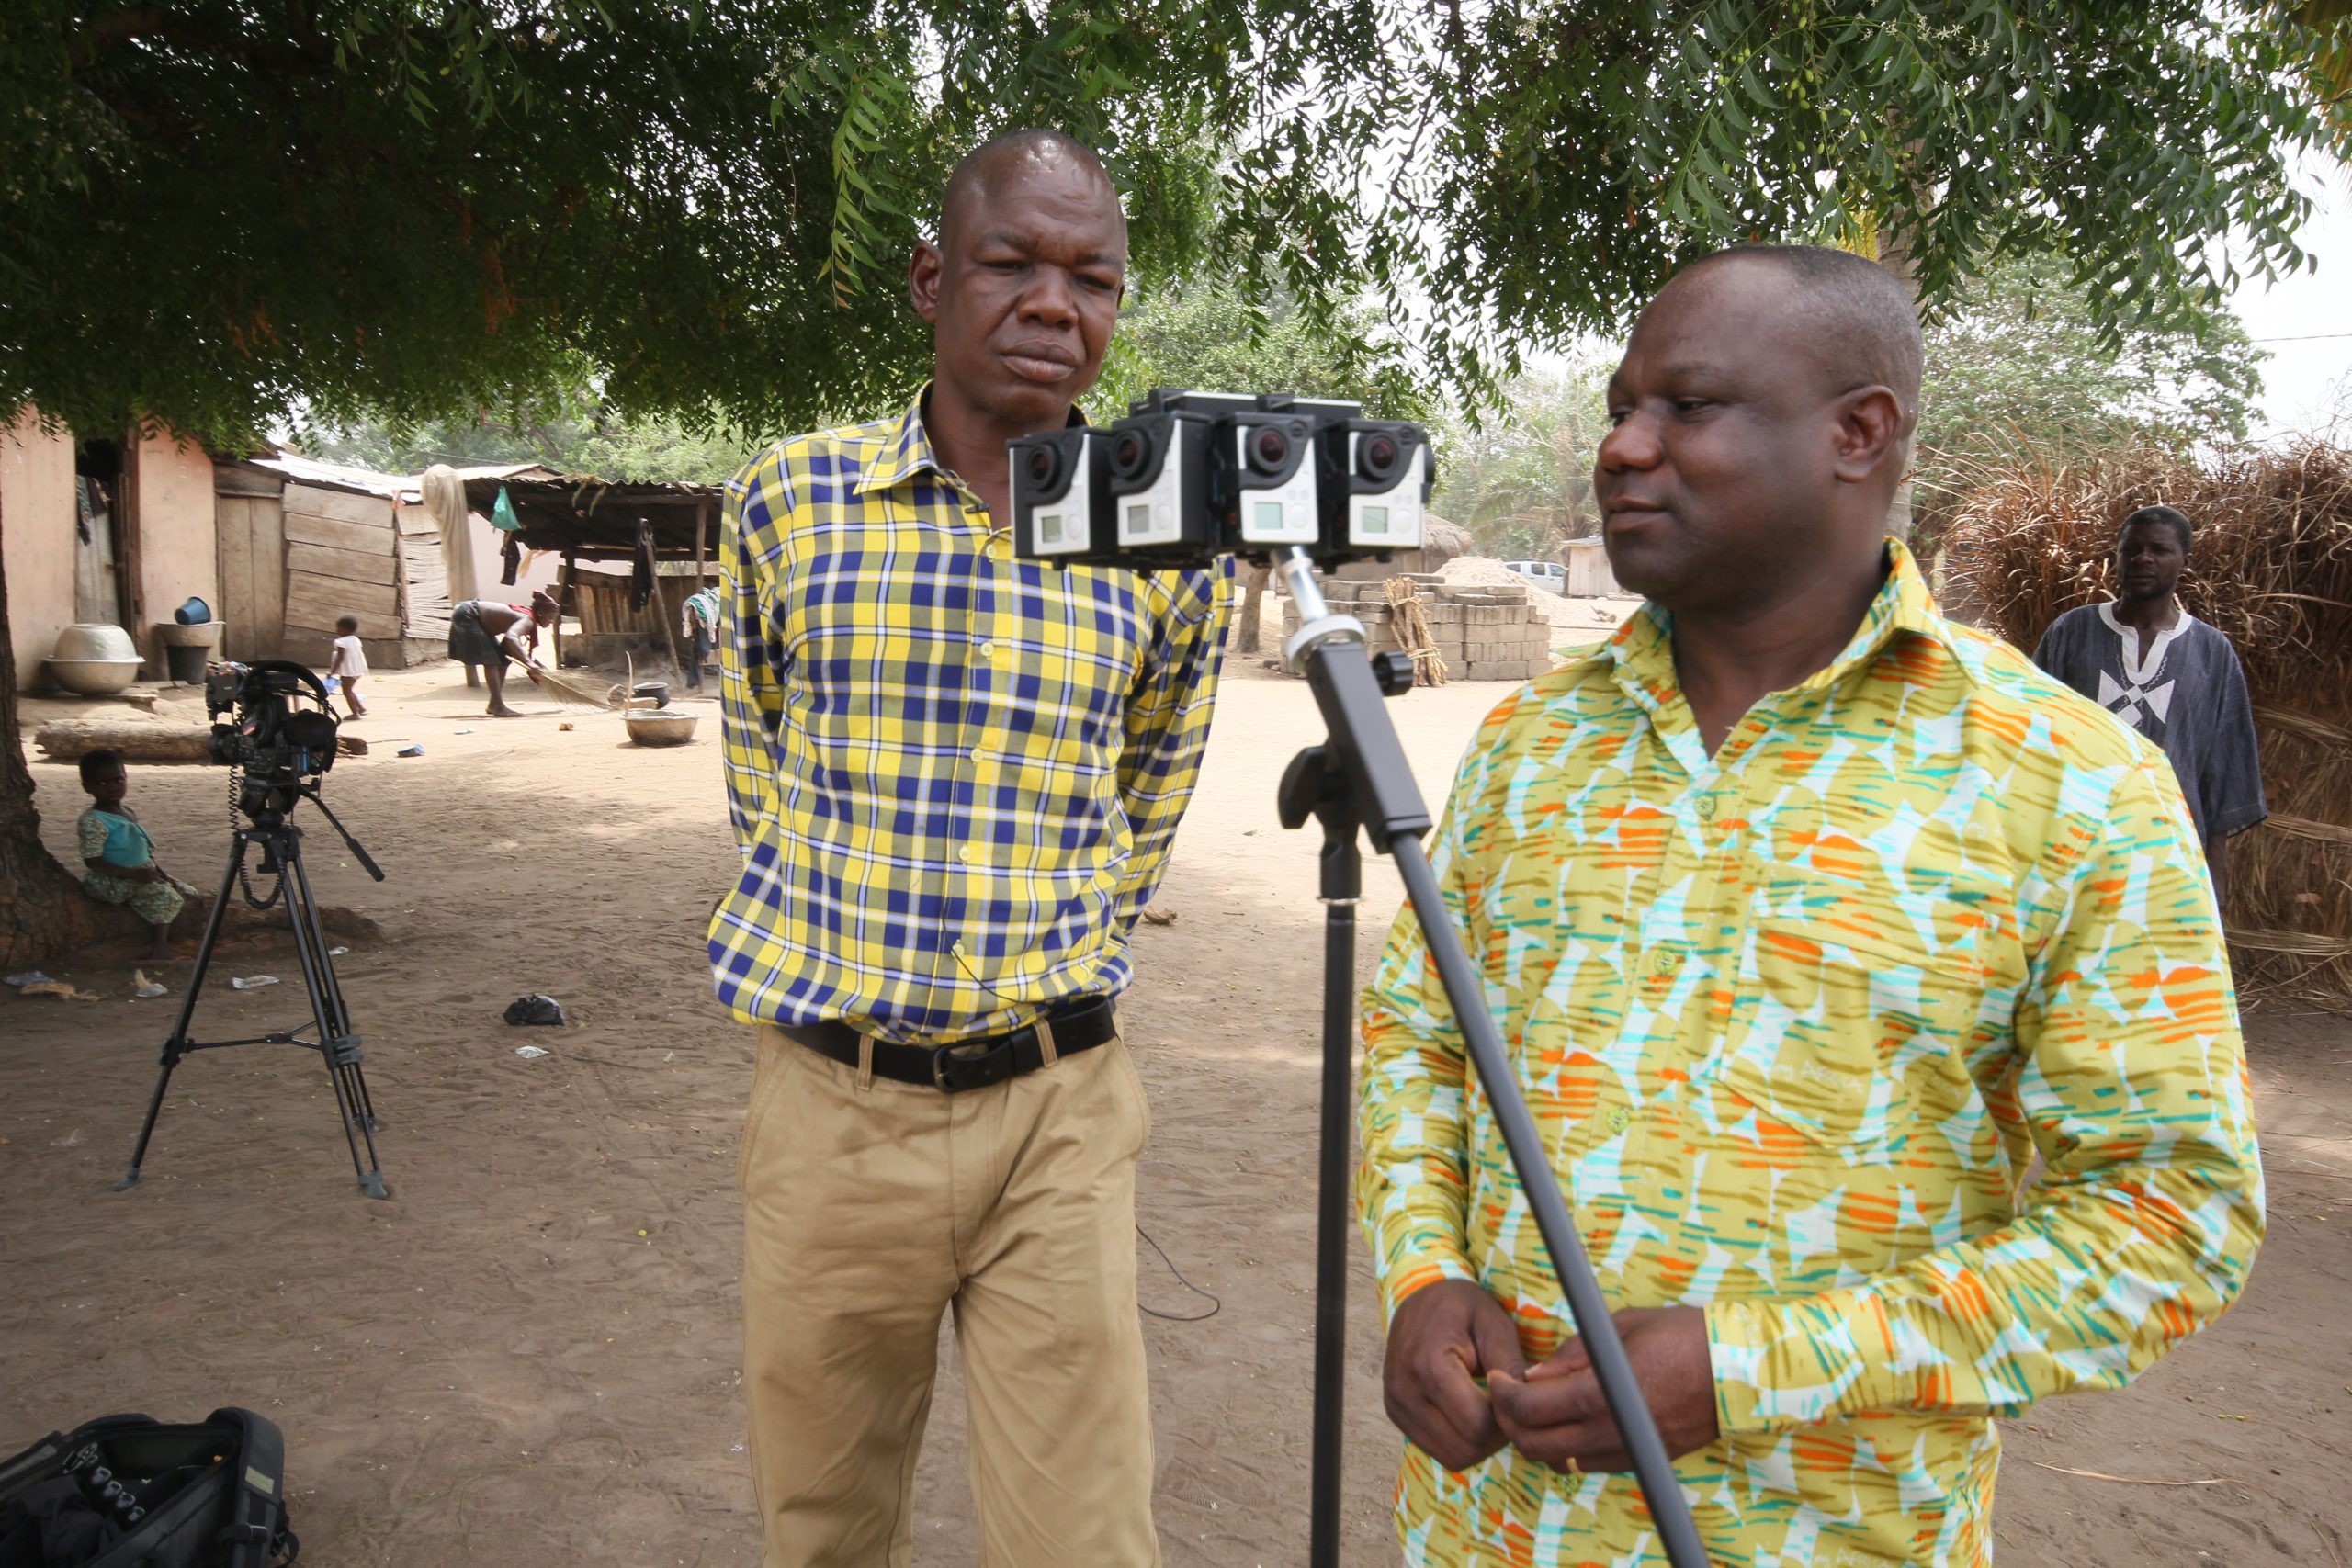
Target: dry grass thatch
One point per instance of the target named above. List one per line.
(2272, 568)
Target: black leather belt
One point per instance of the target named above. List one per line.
(965, 1063)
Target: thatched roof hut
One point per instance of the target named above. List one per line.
(1442, 541)
(2272, 568)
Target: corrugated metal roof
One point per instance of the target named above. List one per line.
(342, 476)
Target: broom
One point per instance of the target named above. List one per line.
(573, 690)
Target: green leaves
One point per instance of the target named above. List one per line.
(367, 205)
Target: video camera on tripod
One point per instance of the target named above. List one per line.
(279, 751)
(1301, 482)
(268, 733)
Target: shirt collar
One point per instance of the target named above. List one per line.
(1643, 649)
(906, 451)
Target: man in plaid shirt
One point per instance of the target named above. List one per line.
(956, 778)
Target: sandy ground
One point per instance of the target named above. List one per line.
(530, 1354)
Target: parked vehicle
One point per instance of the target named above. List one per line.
(1548, 574)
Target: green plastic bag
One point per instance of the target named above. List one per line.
(502, 514)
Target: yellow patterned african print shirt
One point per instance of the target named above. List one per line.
(1793, 1021)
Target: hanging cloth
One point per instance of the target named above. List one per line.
(640, 573)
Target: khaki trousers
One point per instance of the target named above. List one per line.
(869, 1209)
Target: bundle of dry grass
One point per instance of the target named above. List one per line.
(2272, 568)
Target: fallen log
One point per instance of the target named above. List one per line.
(70, 739)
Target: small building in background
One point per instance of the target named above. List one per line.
(1589, 573)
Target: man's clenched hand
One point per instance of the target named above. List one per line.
(1443, 1340)
(1554, 1414)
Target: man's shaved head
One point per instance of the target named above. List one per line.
(1010, 151)
(1858, 322)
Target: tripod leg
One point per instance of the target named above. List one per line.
(336, 1044)
(176, 1044)
(1332, 1189)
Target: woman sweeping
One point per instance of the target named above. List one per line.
(484, 632)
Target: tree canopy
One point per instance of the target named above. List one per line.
(222, 215)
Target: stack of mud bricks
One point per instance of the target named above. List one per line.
(1483, 632)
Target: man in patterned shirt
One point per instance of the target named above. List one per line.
(1809, 920)
(955, 778)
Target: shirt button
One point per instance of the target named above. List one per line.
(1705, 808)
(1664, 960)
(964, 853)
(1619, 1119)
(979, 754)
(987, 649)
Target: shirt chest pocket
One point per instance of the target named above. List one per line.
(1857, 1003)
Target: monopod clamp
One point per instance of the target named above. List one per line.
(1359, 780)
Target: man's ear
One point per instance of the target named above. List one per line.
(1868, 432)
(922, 280)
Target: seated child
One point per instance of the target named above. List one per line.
(122, 857)
(349, 663)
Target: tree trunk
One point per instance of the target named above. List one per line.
(1895, 256)
(43, 911)
(69, 740)
(1252, 602)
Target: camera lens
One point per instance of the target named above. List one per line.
(1269, 449)
(1045, 464)
(1127, 454)
(1380, 456)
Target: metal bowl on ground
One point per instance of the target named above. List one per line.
(659, 727)
(93, 677)
(89, 641)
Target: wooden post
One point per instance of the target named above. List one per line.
(702, 522)
(563, 601)
(661, 607)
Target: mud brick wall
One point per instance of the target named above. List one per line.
(1482, 633)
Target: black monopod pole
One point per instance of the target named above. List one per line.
(1330, 651)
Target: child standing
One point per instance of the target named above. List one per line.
(349, 663)
(121, 855)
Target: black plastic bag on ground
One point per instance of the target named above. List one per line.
(534, 1008)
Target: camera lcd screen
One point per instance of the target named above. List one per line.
(1269, 515)
(1050, 527)
(1138, 521)
(1375, 520)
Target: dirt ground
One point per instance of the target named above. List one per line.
(528, 1355)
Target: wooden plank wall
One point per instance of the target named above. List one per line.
(425, 576)
(251, 544)
(600, 603)
(341, 559)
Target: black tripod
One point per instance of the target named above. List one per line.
(1360, 779)
(265, 807)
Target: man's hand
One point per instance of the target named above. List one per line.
(1554, 1414)
(1444, 1338)
(533, 671)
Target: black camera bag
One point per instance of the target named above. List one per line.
(127, 1492)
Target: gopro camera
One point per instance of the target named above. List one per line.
(1061, 493)
(1187, 477)
(1377, 475)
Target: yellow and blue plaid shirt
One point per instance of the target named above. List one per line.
(954, 776)
(1793, 1020)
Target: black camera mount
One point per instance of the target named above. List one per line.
(1298, 484)
(278, 755)
(1359, 780)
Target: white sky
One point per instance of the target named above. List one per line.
(2305, 322)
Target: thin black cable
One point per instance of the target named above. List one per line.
(1216, 1306)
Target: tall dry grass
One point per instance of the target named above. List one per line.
(2272, 568)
